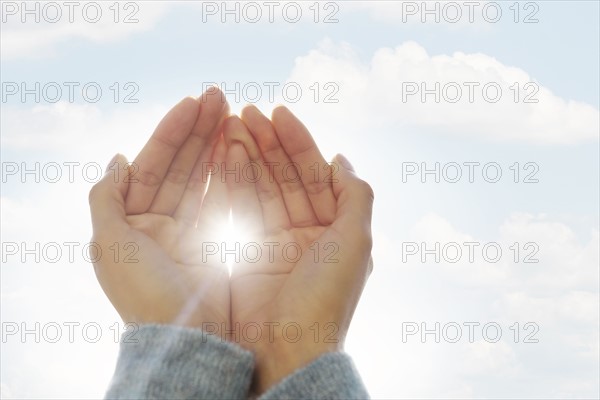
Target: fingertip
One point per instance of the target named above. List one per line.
(279, 111)
(214, 92)
(111, 163)
(116, 165)
(189, 102)
(344, 162)
(249, 111)
(115, 180)
(233, 119)
(230, 127)
(121, 157)
(181, 115)
(124, 171)
(189, 98)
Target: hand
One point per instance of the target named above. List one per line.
(149, 219)
(327, 214)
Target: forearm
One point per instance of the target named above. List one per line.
(180, 363)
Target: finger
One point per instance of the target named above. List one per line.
(198, 146)
(245, 206)
(350, 232)
(354, 202)
(107, 199)
(295, 198)
(155, 158)
(275, 215)
(315, 171)
(215, 205)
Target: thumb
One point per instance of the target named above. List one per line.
(354, 199)
(107, 197)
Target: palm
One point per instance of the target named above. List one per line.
(291, 213)
(152, 215)
(174, 276)
(263, 291)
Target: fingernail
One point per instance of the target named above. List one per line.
(344, 161)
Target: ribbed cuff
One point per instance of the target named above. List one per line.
(170, 362)
(331, 376)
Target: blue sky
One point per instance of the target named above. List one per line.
(367, 54)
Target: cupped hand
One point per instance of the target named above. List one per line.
(312, 221)
(150, 218)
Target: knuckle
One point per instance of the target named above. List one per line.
(316, 187)
(148, 178)
(177, 176)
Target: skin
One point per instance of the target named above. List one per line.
(166, 214)
(156, 210)
(319, 288)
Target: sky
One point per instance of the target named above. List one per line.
(476, 124)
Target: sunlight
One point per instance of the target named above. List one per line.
(231, 241)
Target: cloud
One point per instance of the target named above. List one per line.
(79, 130)
(464, 95)
(39, 36)
(564, 261)
(484, 358)
(558, 295)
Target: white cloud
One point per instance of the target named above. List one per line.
(34, 40)
(559, 294)
(485, 358)
(379, 92)
(80, 130)
(564, 261)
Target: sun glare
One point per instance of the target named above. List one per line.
(231, 242)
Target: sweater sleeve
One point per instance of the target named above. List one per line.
(170, 362)
(331, 376)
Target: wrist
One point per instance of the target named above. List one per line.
(281, 357)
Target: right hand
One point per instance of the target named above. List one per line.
(149, 225)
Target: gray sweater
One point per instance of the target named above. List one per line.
(170, 362)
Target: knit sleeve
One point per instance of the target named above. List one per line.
(331, 376)
(170, 362)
